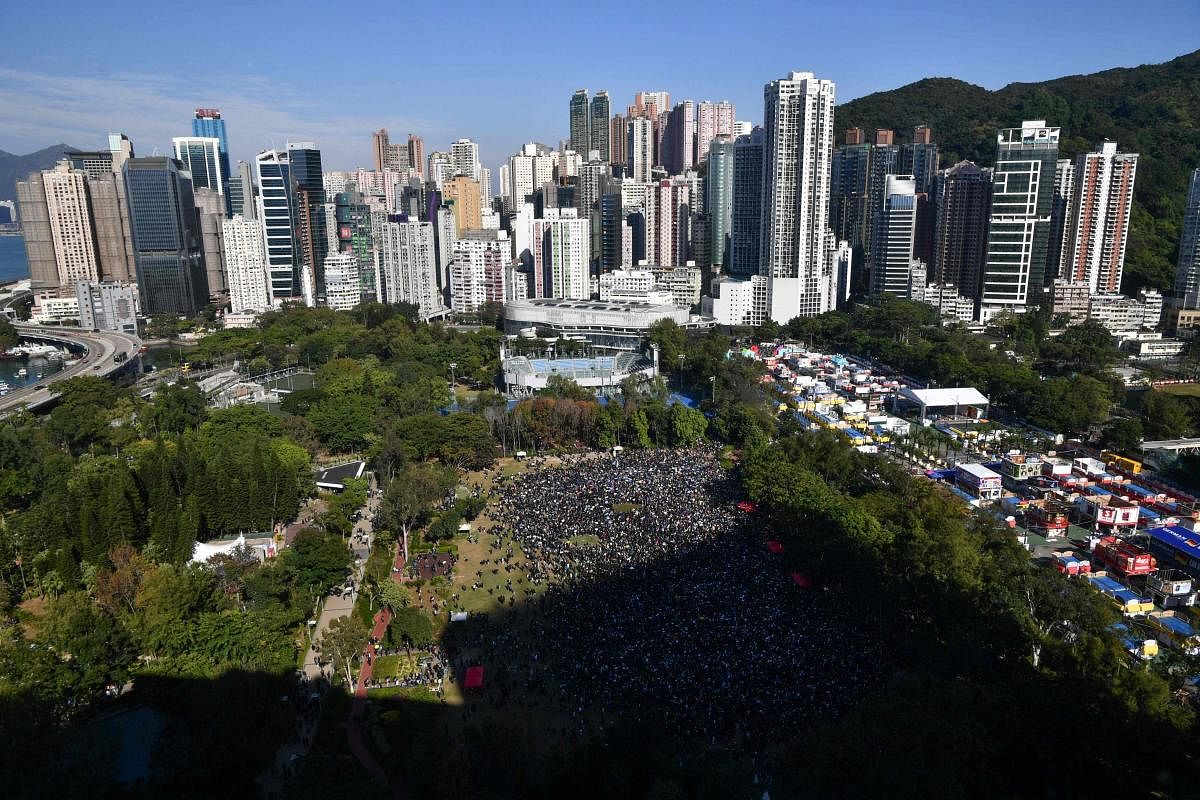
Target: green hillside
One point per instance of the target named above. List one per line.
(1153, 110)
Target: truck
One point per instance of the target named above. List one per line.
(1124, 558)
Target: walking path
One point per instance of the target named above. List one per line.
(356, 726)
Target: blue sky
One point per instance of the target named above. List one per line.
(502, 73)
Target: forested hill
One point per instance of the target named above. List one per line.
(1153, 110)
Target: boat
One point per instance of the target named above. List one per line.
(22, 373)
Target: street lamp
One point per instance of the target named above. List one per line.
(712, 379)
(453, 366)
(682, 356)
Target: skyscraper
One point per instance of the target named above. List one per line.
(712, 120)
(166, 237)
(680, 138)
(477, 269)
(920, 159)
(96, 163)
(71, 224)
(1058, 251)
(895, 228)
(464, 158)
(305, 161)
(598, 126)
(1015, 272)
(207, 123)
(528, 170)
(279, 215)
(797, 246)
(718, 203)
(408, 264)
(618, 146)
(110, 217)
(885, 160)
(35, 230)
(245, 264)
(580, 122)
(379, 148)
(241, 192)
(639, 163)
(1099, 218)
(851, 175)
(964, 195)
(463, 191)
(745, 221)
(416, 155)
(561, 245)
(202, 158)
(1187, 268)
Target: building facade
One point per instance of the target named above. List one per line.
(964, 197)
(561, 245)
(107, 306)
(245, 264)
(895, 227)
(1099, 217)
(477, 270)
(1187, 268)
(408, 268)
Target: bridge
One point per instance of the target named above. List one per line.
(1185, 446)
(104, 353)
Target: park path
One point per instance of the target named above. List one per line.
(356, 732)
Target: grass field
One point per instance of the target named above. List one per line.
(626, 508)
(1183, 389)
(398, 666)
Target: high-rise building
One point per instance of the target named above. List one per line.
(35, 230)
(528, 171)
(416, 155)
(166, 237)
(895, 228)
(885, 160)
(110, 216)
(96, 163)
(920, 159)
(441, 168)
(718, 202)
(343, 282)
(672, 208)
(561, 245)
(797, 246)
(618, 143)
(712, 120)
(1058, 251)
(207, 123)
(477, 269)
(202, 158)
(1187, 268)
(1015, 272)
(593, 175)
(279, 213)
(70, 215)
(379, 148)
(485, 188)
(639, 161)
(210, 212)
(309, 186)
(855, 136)
(391, 157)
(745, 221)
(464, 158)
(600, 110)
(612, 223)
(463, 192)
(885, 137)
(850, 178)
(241, 191)
(580, 121)
(408, 264)
(964, 196)
(679, 148)
(245, 264)
(1099, 218)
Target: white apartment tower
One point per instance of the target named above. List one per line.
(245, 264)
(343, 281)
(712, 120)
(464, 158)
(71, 224)
(640, 142)
(477, 269)
(797, 246)
(561, 254)
(528, 171)
(1099, 218)
(407, 270)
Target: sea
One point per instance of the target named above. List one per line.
(14, 267)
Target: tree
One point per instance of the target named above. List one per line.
(343, 423)
(394, 596)
(176, 408)
(412, 627)
(1123, 434)
(687, 425)
(316, 561)
(9, 337)
(343, 642)
(408, 498)
(1165, 415)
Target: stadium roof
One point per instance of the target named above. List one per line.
(335, 477)
(939, 398)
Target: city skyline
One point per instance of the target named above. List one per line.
(80, 93)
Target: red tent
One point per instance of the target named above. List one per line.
(801, 580)
(474, 678)
(775, 546)
(748, 506)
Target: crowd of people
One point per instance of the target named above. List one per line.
(664, 603)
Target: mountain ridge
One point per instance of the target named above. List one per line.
(15, 167)
(1152, 109)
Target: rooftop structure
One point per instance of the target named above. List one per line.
(611, 324)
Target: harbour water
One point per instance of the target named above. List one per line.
(13, 265)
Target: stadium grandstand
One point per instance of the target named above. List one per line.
(524, 375)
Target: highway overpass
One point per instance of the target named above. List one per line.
(105, 353)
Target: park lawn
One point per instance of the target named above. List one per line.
(1183, 389)
(397, 666)
(584, 540)
(626, 508)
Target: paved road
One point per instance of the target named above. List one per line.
(101, 347)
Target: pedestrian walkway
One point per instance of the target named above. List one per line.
(356, 725)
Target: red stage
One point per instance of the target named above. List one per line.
(474, 679)
(775, 547)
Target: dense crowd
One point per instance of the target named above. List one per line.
(663, 602)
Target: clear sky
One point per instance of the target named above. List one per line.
(502, 73)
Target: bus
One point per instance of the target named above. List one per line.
(1130, 465)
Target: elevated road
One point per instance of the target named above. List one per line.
(106, 352)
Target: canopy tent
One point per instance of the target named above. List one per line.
(958, 398)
